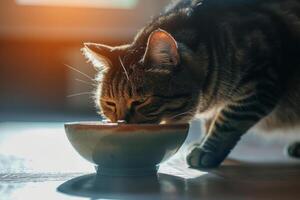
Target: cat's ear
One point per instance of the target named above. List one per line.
(162, 49)
(99, 55)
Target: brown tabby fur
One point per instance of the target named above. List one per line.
(235, 62)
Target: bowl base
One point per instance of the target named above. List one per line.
(126, 172)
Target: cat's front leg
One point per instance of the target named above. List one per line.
(230, 124)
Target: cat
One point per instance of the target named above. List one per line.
(234, 63)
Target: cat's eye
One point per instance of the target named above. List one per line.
(110, 103)
(139, 101)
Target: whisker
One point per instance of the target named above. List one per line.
(85, 82)
(126, 73)
(187, 112)
(79, 94)
(80, 72)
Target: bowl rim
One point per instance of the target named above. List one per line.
(94, 124)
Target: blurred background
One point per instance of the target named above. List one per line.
(38, 38)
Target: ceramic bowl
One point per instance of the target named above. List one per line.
(126, 149)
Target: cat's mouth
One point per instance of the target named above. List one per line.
(107, 121)
(133, 122)
(175, 119)
(146, 122)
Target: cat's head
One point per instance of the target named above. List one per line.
(145, 82)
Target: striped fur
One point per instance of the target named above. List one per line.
(237, 63)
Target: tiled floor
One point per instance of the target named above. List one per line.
(37, 162)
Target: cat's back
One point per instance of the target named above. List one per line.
(286, 115)
(284, 16)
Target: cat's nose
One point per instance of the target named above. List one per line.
(124, 116)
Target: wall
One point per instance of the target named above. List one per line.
(36, 42)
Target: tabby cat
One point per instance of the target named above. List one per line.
(235, 63)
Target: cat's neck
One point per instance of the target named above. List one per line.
(216, 87)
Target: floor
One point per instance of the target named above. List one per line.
(37, 162)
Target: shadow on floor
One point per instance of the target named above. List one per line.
(146, 187)
(244, 181)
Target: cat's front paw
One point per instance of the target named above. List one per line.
(293, 150)
(201, 159)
